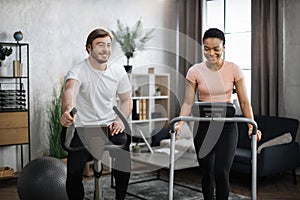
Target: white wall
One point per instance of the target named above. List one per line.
(56, 31)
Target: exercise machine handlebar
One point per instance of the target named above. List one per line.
(215, 119)
(81, 148)
(64, 135)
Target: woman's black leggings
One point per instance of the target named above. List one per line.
(77, 160)
(216, 165)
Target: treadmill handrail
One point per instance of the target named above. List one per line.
(215, 119)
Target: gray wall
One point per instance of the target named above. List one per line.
(56, 31)
(291, 59)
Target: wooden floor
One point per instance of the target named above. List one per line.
(279, 187)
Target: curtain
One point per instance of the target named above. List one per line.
(189, 27)
(190, 38)
(266, 77)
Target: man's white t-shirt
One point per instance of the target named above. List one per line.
(97, 92)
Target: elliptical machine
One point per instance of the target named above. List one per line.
(101, 145)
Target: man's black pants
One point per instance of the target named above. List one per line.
(76, 164)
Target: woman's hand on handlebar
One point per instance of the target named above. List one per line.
(66, 119)
(116, 127)
(177, 128)
(258, 133)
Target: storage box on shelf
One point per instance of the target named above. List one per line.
(14, 99)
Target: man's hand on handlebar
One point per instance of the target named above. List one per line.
(66, 119)
(116, 127)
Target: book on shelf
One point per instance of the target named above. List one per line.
(135, 109)
(17, 68)
(143, 109)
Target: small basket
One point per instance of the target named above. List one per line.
(6, 172)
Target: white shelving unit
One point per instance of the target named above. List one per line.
(151, 99)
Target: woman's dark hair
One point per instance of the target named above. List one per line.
(214, 33)
(97, 33)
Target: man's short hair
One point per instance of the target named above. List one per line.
(97, 33)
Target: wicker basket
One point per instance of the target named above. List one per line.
(6, 172)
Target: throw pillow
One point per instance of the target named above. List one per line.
(283, 139)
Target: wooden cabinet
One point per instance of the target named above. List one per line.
(14, 99)
(14, 128)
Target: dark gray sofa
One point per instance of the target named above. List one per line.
(272, 159)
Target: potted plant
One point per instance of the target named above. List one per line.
(54, 112)
(137, 148)
(4, 52)
(131, 39)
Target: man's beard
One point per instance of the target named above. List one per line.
(99, 60)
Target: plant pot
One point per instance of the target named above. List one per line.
(64, 160)
(3, 71)
(136, 150)
(128, 68)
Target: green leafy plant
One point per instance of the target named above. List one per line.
(131, 39)
(136, 148)
(54, 112)
(4, 52)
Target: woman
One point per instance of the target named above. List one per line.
(214, 79)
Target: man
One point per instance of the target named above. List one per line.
(91, 87)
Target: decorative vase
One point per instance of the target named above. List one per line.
(128, 68)
(18, 36)
(3, 71)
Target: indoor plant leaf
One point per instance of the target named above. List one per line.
(131, 39)
(54, 112)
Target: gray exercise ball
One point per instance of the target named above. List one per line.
(43, 178)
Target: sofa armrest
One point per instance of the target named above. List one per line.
(278, 158)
